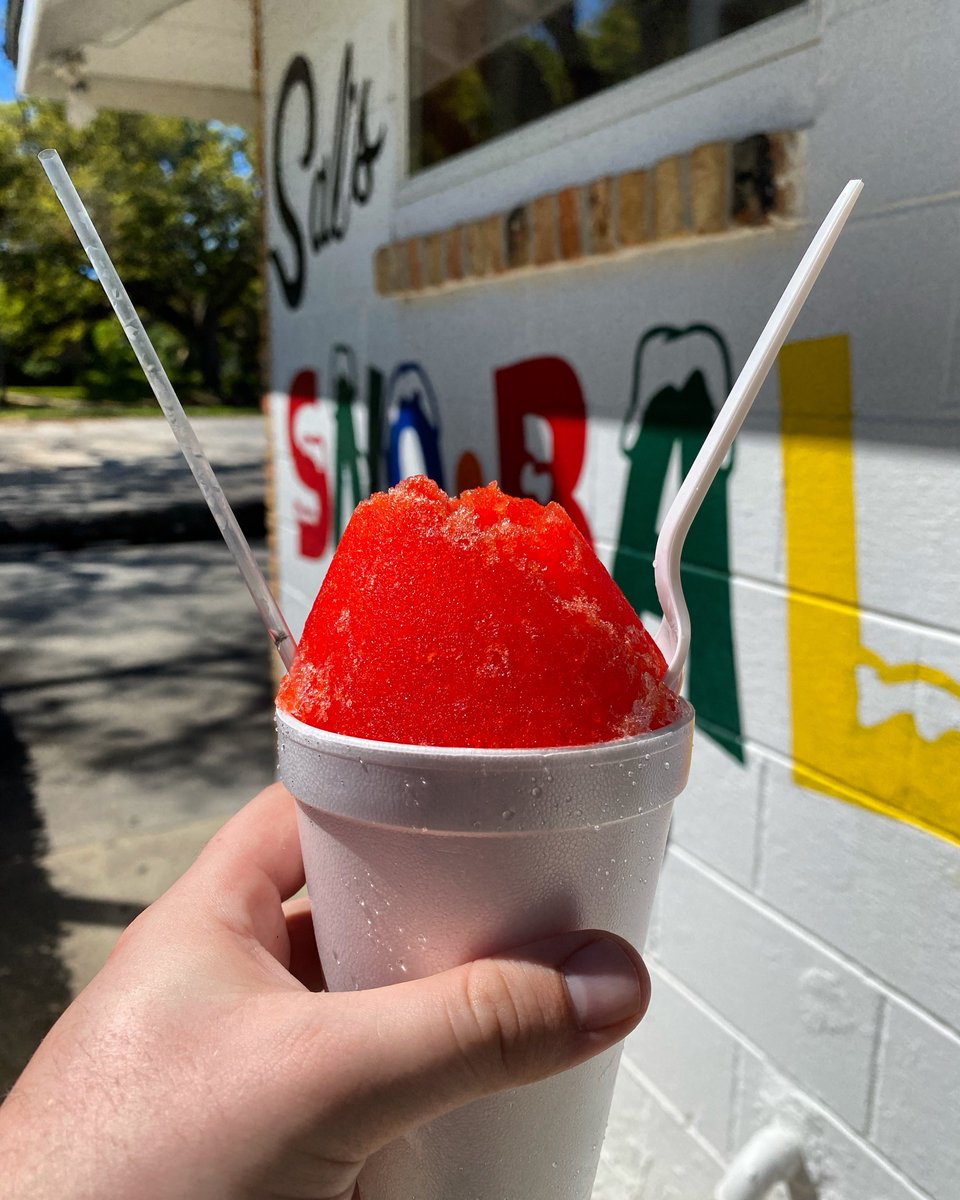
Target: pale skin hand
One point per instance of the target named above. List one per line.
(202, 1062)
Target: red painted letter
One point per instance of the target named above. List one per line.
(542, 423)
(310, 457)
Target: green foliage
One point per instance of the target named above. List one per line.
(177, 207)
(615, 44)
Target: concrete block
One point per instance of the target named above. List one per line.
(868, 886)
(670, 208)
(648, 1154)
(600, 223)
(804, 1007)
(485, 239)
(633, 192)
(917, 1123)
(754, 189)
(716, 817)
(544, 214)
(870, 101)
(433, 272)
(762, 648)
(710, 171)
(842, 1165)
(415, 272)
(689, 1058)
(570, 222)
(383, 270)
(518, 230)
(922, 522)
(874, 711)
(756, 525)
(453, 253)
(474, 259)
(905, 378)
(788, 158)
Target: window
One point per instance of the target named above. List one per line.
(481, 68)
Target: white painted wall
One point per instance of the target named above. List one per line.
(806, 950)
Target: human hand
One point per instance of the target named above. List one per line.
(200, 1062)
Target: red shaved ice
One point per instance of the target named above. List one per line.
(482, 621)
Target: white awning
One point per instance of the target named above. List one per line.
(191, 58)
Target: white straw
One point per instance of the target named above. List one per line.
(673, 636)
(162, 388)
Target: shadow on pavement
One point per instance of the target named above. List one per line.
(136, 715)
(35, 984)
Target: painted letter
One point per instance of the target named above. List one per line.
(679, 374)
(310, 459)
(413, 425)
(540, 400)
(297, 73)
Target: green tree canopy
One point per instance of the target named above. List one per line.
(177, 206)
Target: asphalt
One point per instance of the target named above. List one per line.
(69, 483)
(135, 691)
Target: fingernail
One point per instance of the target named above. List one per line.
(602, 984)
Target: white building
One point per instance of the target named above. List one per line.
(503, 250)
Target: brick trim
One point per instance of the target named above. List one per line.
(708, 191)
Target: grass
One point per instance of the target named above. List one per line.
(74, 403)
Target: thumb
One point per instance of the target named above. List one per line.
(411, 1051)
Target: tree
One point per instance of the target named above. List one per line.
(177, 206)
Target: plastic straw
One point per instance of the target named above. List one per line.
(673, 636)
(162, 388)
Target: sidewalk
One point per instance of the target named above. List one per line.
(135, 694)
(70, 483)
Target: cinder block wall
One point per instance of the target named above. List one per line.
(806, 950)
(806, 942)
(816, 982)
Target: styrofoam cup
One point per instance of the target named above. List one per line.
(421, 858)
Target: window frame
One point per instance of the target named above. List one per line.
(697, 70)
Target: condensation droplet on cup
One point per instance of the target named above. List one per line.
(536, 791)
(403, 966)
(476, 824)
(508, 814)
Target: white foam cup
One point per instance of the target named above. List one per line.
(421, 858)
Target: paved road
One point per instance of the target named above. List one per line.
(135, 714)
(73, 482)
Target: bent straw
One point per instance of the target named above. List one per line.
(162, 388)
(673, 636)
